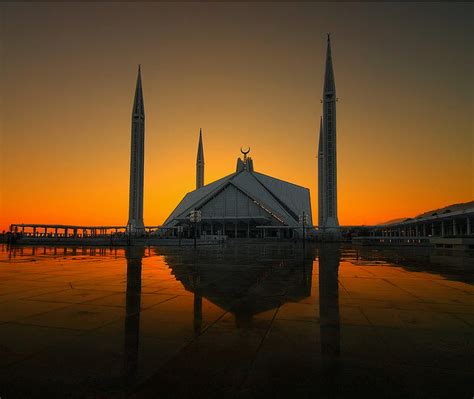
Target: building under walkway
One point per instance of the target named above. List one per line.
(451, 221)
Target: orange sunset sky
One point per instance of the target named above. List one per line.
(249, 75)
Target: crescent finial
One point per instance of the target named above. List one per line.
(244, 152)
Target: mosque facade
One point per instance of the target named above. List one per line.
(244, 204)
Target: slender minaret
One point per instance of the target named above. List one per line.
(328, 198)
(137, 152)
(200, 163)
(321, 216)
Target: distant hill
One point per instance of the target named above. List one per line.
(449, 208)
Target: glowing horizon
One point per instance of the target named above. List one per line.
(404, 126)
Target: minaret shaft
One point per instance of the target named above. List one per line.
(328, 163)
(200, 163)
(137, 158)
(321, 210)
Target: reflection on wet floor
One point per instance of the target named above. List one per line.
(244, 320)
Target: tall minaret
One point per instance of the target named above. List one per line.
(321, 215)
(329, 160)
(137, 152)
(200, 163)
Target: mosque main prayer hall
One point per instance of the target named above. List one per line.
(246, 203)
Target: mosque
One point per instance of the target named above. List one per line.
(246, 203)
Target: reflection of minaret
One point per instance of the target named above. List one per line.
(134, 257)
(197, 303)
(321, 216)
(137, 155)
(200, 163)
(328, 199)
(329, 256)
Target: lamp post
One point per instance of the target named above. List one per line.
(195, 218)
(304, 220)
(180, 230)
(129, 234)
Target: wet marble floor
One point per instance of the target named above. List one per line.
(239, 321)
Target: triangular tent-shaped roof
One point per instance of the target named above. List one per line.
(278, 201)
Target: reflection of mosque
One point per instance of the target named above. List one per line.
(226, 279)
(448, 263)
(241, 288)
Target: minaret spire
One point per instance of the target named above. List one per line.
(138, 106)
(329, 84)
(137, 155)
(200, 163)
